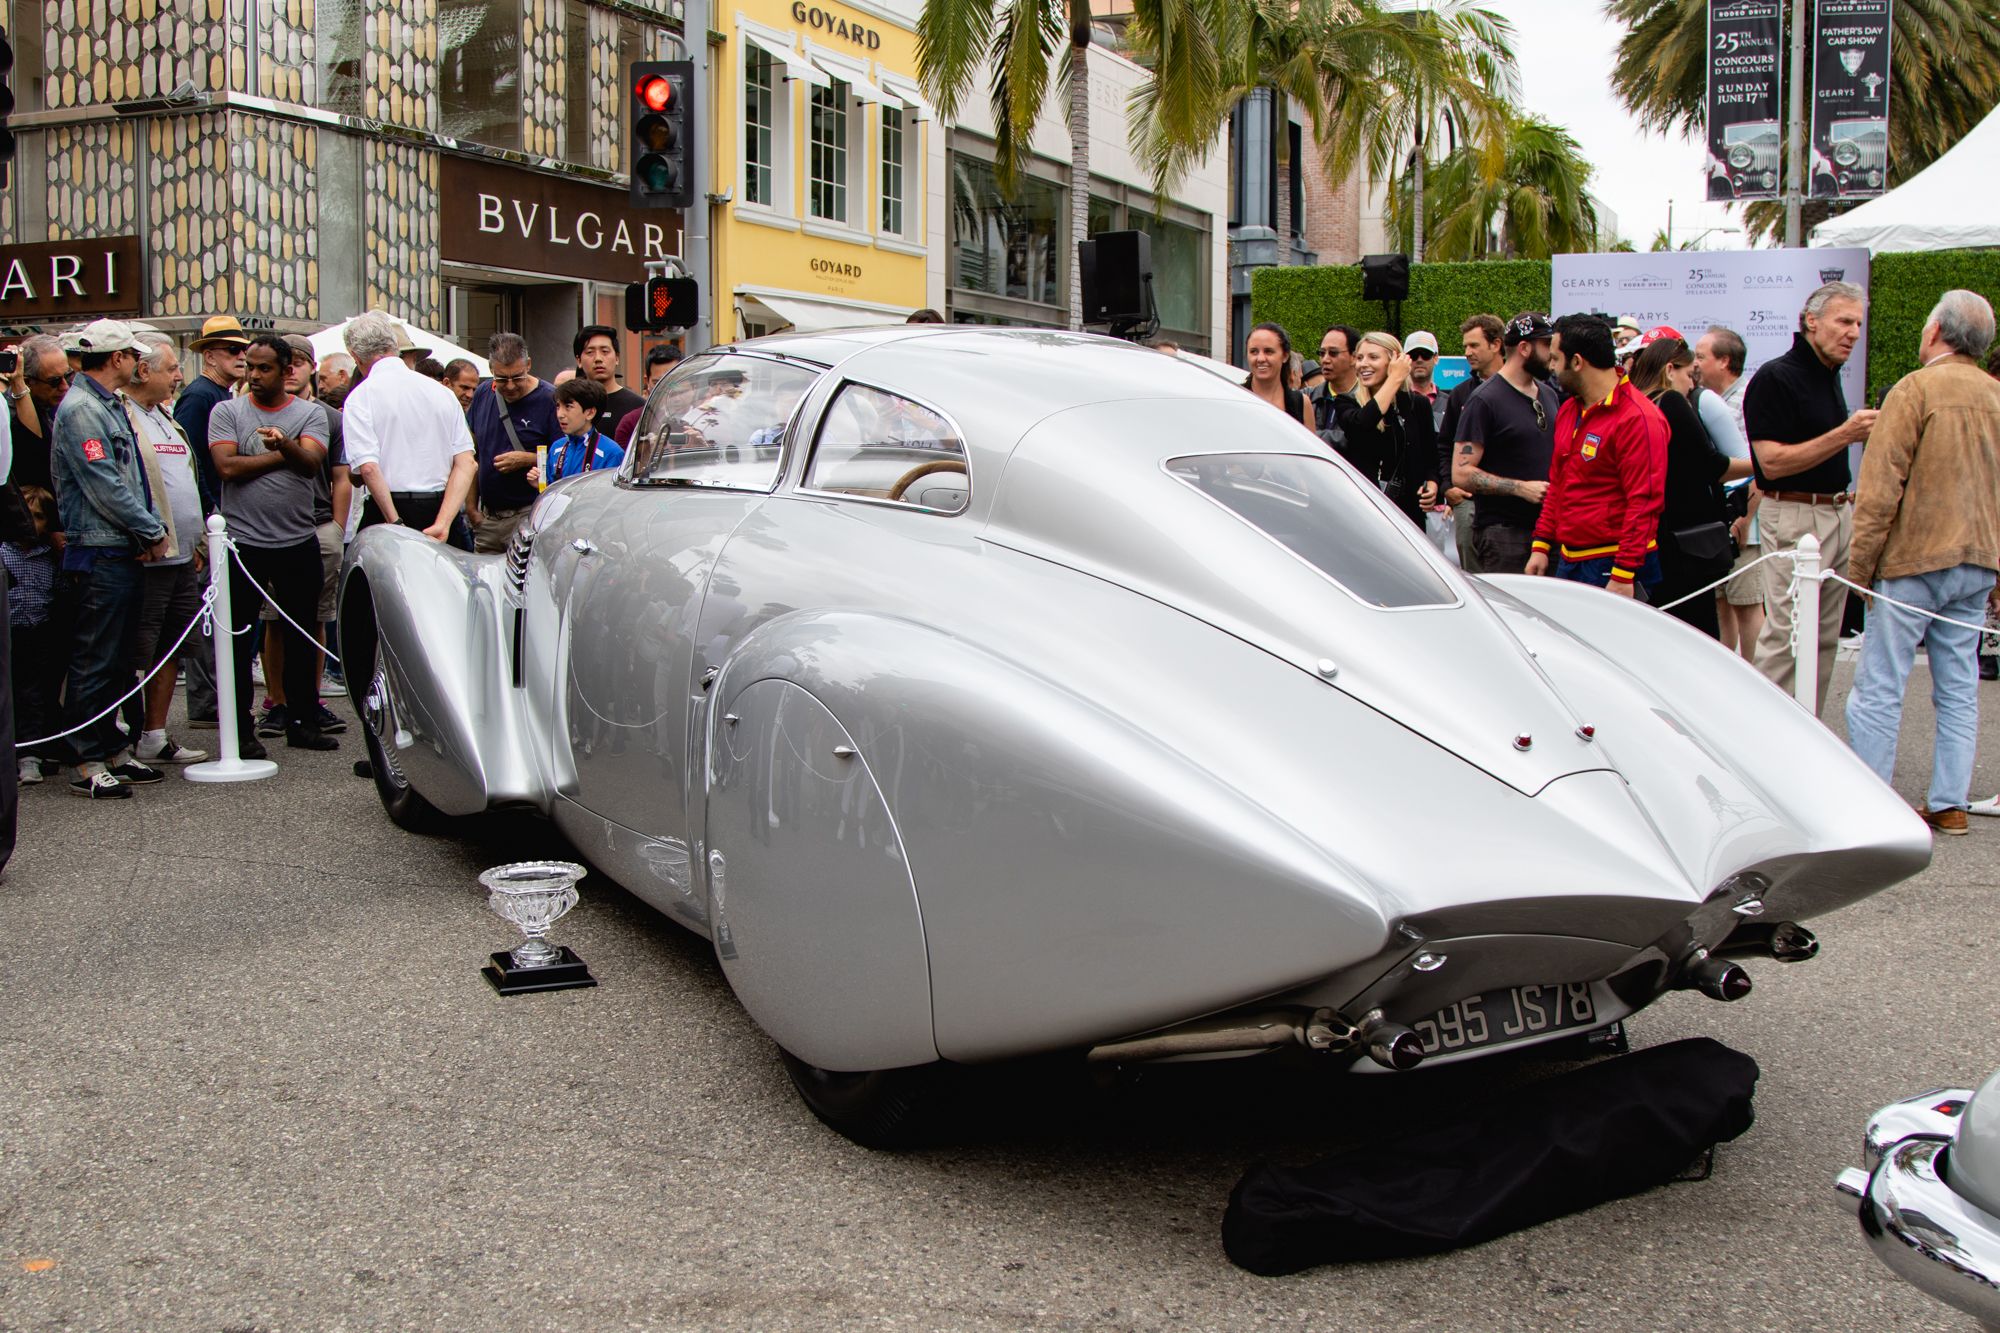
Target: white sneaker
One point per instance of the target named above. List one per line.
(170, 751)
(1989, 806)
(31, 772)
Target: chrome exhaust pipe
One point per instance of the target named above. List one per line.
(1391, 1045)
(1321, 1030)
(1713, 976)
(1786, 941)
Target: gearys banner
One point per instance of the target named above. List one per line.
(1745, 130)
(1850, 99)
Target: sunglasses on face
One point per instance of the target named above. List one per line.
(63, 378)
(1421, 355)
(1328, 352)
(513, 379)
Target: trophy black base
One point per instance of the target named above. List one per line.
(566, 973)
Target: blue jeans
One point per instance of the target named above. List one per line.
(1597, 572)
(1875, 707)
(106, 603)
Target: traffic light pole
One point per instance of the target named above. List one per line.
(697, 221)
(1795, 132)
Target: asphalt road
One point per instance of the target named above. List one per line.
(253, 1080)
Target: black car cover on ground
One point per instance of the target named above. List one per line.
(1557, 1147)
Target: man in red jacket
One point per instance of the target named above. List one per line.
(1608, 475)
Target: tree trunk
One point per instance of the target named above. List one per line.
(1417, 195)
(1281, 219)
(1079, 154)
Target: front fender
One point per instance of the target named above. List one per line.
(436, 625)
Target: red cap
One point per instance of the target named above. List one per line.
(1653, 335)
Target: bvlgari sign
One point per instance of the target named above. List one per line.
(505, 217)
(64, 279)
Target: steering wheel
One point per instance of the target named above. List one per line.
(922, 470)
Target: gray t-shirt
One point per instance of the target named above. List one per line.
(273, 508)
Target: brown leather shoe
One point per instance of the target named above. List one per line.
(1945, 821)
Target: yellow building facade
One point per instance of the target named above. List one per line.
(823, 149)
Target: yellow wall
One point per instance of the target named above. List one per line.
(832, 267)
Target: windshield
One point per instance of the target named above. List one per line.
(717, 420)
(1319, 514)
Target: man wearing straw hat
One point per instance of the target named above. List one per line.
(219, 350)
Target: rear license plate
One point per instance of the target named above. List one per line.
(1507, 1015)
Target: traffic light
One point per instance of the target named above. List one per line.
(6, 105)
(662, 134)
(662, 303)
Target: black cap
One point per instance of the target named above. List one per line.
(1528, 328)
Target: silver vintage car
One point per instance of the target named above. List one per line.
(989, 693)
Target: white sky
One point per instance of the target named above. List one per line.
(1565, 50)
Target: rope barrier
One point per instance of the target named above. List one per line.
(1831, 576)
(1774, 555)
(201, 617)
(311, 636)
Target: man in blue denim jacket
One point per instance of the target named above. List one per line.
(108, 511)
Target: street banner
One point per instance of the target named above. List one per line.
(1757, 293)
(1745, 129)
(1850, 99)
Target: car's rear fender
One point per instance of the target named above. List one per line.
(437, 623)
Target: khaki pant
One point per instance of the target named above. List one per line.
(494, 530)
(1782, 523)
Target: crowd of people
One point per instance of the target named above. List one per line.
(116, 455)
(1589, 449)
(1581, 448)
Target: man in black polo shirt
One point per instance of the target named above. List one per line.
(1506, 435)
(1481, 336)
(1800, 430)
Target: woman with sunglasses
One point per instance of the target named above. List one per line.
(1388, 427)
(1695, 546)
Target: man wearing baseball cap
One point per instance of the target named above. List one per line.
(1422, 349)
(1626, 333)
(108, 513)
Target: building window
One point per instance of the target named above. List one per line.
(892, 170)
(1007, 247)
(339, 40)
(827, 175)
(576, 82)
(759, 91)
(479, 72)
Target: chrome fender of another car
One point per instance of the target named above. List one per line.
(1925, 1231)
(437, 622)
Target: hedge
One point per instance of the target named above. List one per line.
(1903, 288)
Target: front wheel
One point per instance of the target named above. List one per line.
(876, 1108)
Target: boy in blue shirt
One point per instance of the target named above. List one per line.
(581, 448)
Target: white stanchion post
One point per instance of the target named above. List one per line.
(230, 766)
(1805, 624)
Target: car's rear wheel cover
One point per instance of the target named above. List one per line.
(876, 1108)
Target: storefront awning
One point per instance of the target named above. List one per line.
(796, 66)
(856, 81)
(807, 314)
(907, 93)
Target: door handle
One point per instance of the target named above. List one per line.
(582, 547)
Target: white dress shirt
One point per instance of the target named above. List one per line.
(407, 425)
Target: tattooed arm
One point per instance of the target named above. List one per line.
(1466, 474)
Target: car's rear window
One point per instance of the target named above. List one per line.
(1319, 514)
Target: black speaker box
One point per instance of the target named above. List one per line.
(1385, 277)
(1117, 271)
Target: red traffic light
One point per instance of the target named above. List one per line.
(655, 93)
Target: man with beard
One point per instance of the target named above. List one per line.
(1608, 474)
(1505, 437)
(1800, 429)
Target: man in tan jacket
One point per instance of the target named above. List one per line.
(1927, 534)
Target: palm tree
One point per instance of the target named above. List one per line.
(1372, 79)
(1536, 203)
(1944, 77)
(1016, 40)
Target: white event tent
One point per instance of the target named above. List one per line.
(446, 351)
(1952, 204)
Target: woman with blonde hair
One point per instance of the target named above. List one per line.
(1390, 435)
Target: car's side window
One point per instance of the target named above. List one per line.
(883, 447)
(717, 420)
